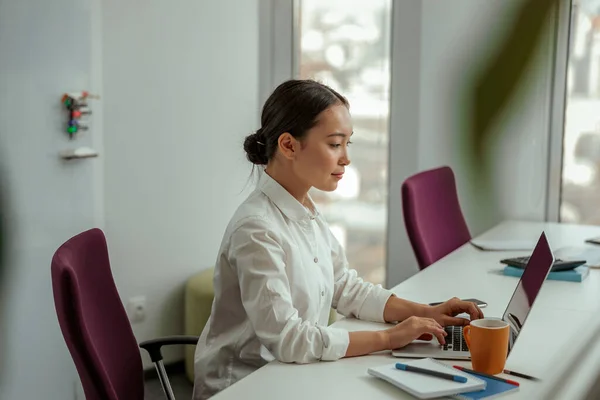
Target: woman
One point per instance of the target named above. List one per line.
(279, 268)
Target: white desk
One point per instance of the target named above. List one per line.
(465, 273)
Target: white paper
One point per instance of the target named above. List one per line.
(588, 253)
(503, 245)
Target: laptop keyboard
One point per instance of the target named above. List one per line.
(455, 340)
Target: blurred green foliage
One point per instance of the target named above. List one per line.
(501, 78)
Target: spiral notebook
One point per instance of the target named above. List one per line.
(426, 386)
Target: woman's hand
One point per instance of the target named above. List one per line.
(446, 313)
(414, 328)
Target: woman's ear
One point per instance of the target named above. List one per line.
(288, 145)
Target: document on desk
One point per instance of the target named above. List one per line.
(589, 253)
(503, 245)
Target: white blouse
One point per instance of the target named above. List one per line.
(278, 273)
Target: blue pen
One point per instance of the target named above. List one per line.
(456, 378)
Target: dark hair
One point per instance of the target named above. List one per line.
(292, 107)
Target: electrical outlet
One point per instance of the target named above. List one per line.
(137, 309)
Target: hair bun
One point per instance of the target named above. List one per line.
(256, 149)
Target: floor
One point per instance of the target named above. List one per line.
(182, 388)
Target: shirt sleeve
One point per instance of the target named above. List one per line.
(352, 296)
(258, 257)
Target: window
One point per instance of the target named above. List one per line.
(580, 198)
(346, 45)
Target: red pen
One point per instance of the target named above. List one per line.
(486, 375)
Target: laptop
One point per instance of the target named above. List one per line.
(515, 315)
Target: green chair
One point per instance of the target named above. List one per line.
(199, 294)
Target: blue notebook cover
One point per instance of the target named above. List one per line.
(493, 388)
(574, 275)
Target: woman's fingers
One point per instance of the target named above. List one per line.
(440, 335)
(433, 327)
(474, 311)
(434, 322)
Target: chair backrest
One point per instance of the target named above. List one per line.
(93, 320)
(432, 215)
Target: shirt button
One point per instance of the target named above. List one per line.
(322, 293)
(316, 260)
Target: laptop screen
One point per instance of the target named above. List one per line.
(529, 286)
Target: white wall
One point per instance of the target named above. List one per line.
(181, 92)
(44, 52)
(454, 37)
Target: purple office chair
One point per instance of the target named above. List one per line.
(95, 325)
(432, 215)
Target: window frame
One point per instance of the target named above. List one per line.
(558, 109)
(278, 50)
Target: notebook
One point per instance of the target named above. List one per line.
(493, 389)
(426, 386)
(574, 275)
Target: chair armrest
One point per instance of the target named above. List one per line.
(153, 346)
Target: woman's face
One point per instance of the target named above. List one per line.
(323, 152)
